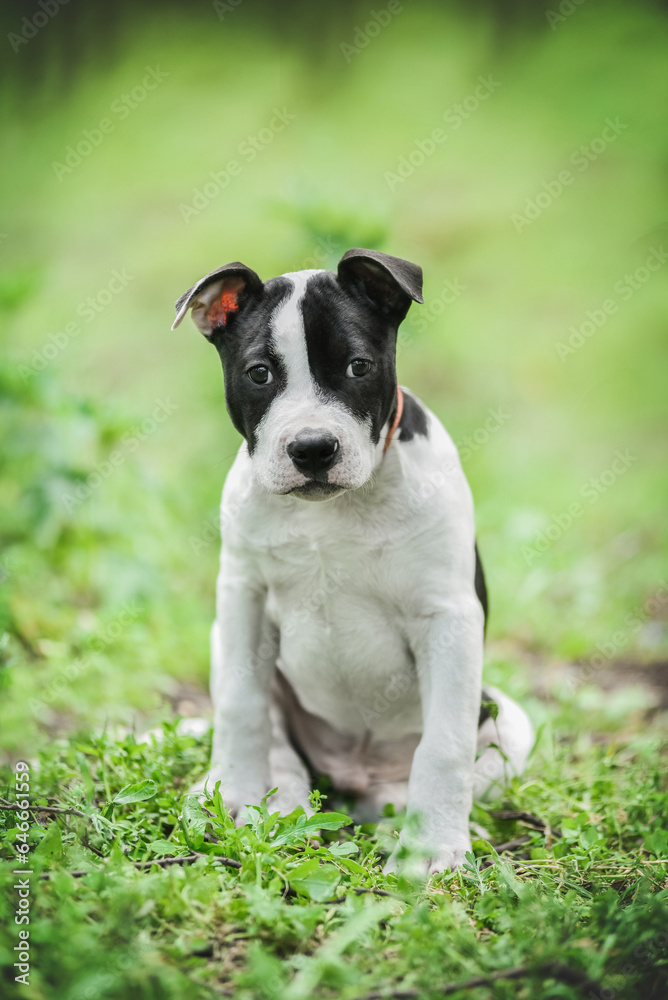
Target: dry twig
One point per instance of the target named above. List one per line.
(554, 970)
(55, 810)
(183, 859)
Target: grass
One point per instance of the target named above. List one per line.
(287, 907)
(107, 567)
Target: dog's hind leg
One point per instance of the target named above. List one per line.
(513, 734)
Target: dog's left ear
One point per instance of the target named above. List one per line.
(218, 296)
(389, 282)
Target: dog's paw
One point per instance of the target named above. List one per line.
(206, 786)
(239, 804)
(447, 859)
(416, 861)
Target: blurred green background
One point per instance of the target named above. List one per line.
(518, 154)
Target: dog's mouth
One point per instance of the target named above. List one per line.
(317, 490)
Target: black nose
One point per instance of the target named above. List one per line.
(313, 451)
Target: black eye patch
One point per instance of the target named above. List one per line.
(248, 345)
(340, 327)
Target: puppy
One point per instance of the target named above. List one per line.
(351, 602)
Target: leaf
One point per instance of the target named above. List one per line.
(140, 792)
(482, 847)
(193, 821)
(165, 847)
(102, 825)
(656, 842)
(51, 844)
(343, 850)
(569, 830)
(317, 884)
(304, 869)
(352, 866)
(306, 827)
(590, 835)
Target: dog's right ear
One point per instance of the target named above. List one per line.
(217, 296)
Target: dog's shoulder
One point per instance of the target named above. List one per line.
(414, 418)
(426, 450)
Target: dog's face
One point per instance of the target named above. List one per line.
(309, 364)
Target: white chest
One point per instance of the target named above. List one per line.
(343, 578)
(338, 609)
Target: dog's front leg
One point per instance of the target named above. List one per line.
(447, 647)
(244, 647)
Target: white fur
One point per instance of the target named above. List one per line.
(366, 603)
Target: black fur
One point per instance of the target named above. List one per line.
(341, 324)
(480, 585)
(481, 591)
(413, 419)
(389, 283)
(354, 314)
(245, 342)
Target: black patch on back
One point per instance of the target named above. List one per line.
(481, 591)
(480, 585)
(341, 325)
(413, 419)
(244, 342)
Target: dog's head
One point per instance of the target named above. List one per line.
(309, 364)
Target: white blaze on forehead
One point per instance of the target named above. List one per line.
(289, 338)
(302, 404)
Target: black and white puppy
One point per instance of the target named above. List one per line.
(349, 630)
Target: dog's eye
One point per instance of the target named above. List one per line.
(260, 374)
(357, 367)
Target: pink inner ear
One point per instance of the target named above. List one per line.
(228, 302)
